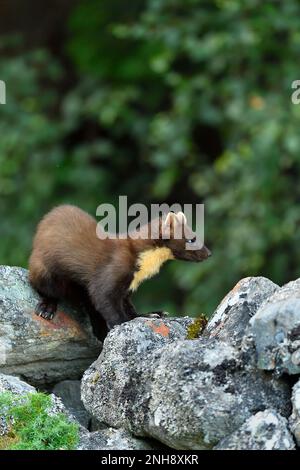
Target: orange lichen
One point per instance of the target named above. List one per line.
(160, 329)
(61, 322)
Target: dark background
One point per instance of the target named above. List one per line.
(163, 101)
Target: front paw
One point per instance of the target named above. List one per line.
(45, 310)
(158, 314)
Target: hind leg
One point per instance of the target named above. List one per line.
(46, 308)
(51, 291)
(50, 288)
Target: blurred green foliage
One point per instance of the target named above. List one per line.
(163, 100)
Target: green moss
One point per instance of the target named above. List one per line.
(95, 377)
(195, 329)
(31, 427)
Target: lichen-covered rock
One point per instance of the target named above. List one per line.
(276, 330)
(9, 383)
(69, 393)
(266, 430)
(189, 394)
(232, 316)
(294, 420)
(35, 349)
(113, 439)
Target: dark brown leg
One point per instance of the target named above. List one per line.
(107, 296)
(110, 307)
(51, 290)
(46, 308)
(129, 309)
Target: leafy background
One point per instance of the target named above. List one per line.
(164, 101)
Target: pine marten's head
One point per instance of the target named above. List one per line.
(171, 238)
(178, 236)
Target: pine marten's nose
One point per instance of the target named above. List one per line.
(205, 252)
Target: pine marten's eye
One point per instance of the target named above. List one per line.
(191, 240)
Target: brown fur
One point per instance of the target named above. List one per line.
(67, 256)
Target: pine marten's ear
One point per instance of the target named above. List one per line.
(181, 218)
(167, 226)
(172, 219)
(173, 222)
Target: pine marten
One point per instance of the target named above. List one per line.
(68, 256)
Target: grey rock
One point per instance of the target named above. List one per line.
(114, 439)
(266, 430)
(291, 289)
(69, 393)
(35, 349)
(232, 316)
(188, 394)
(294, 419)
(276, 330)
(94, 424)
(9, 383)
